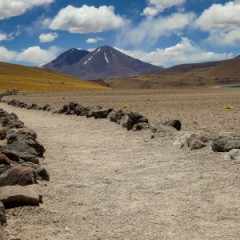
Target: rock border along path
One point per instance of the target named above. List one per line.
(107, 183)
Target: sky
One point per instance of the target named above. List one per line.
(161, 32)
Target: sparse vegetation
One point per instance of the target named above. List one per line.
(228, 106)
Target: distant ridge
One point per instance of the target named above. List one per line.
(225, 72)
(103, 63)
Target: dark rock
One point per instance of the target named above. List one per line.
(18, 175)
(92, 110)
(12, 156)
(40, 171)
(225, 143)
(102, 113)
(173, 123)
(12, 123)
(3, 133)
(4, 168)
(27, 132)
(141, 126)
(4, 160)
(3, 218)
(81, 110)
(47, 107)
(15, 196)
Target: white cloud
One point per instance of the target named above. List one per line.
(3, 37)
(36, 55)
(222, 22)
(94, 40)
(151, 29)
(157, 6)
(181, 53)
(86, 19)
(7, 55)
(10, 8)
(48, 37)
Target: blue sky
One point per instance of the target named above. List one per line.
(162, 32)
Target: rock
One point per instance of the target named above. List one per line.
(14, 196)
(41, 172)
(102, 113)
(128, 120)
(141, 126)
(4, 160)
(12, 156)
(226, 143)
(3, 133)
(27, 132)
(92, 110)
(193, 141)
(234, 154)
(3, 219)
(12, 123)
(173, 123)
(81, 110)
(18, 175)
(46, 107)
(4, 168)
(159, 128)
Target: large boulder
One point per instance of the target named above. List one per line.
(14, 196)
(225, 143)
(18, 175)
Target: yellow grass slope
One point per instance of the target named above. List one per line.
(37, 79)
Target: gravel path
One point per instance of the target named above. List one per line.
(107, 183)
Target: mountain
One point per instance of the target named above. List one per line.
(103, 63)
(225, 72)
(66, 59)
(34, 78)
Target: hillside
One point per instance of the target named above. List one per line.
(103, 63)
(32, 78)
(225, 72)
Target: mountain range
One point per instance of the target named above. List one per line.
(103, 63)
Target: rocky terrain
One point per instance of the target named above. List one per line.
(171, 180)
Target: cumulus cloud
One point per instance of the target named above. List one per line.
(157, 6)
(36, 55)
(222, 21)
(94, 40)
(48, 37)
(86, 19)
(183, 52)
(7, 55)
(11, 8)
(151, 29)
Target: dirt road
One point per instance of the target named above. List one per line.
(107, 183)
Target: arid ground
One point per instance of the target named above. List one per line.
(110, 183)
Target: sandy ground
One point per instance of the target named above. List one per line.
(108, 183)
(196, 108)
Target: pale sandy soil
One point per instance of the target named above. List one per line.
(196, 108)
(108, 183)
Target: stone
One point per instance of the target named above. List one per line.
(15, 196)
(4, 159)
(234, 154)
(81, 110)
(12, 156)
(3, 219)
(92, 110)
(12, 123)
(42, 174)
(27, 132)
(3, 133)
(141, 126)
(173, 123)
(102, 113)
(225, 143)
(18, 175)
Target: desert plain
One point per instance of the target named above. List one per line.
(110, 183)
